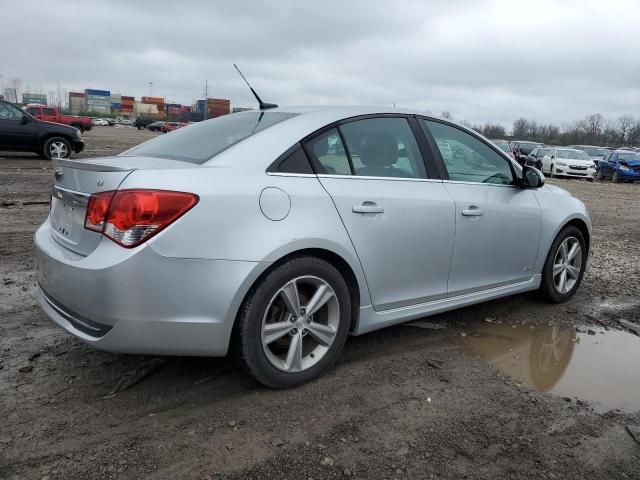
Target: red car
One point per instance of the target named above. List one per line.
(52, 114)
(171, 126)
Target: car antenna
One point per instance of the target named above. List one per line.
(263, 106)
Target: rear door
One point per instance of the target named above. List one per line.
(15, 134)
(400, 220)
(497, 225)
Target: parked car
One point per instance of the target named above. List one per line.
(141, 123)
(504, 146)
(52, 114)
(171, 126)
(99, 122)
(21, 132)
(155, 126)
(110, 121)
(568, 162)
(125, 121)
(595, 153)
(537, 154)
(272, 243)
(620, 166)
(522, 148)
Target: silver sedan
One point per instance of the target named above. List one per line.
(276, 234)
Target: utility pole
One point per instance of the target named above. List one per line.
(1, 84)
(206, 96)
(151, 89)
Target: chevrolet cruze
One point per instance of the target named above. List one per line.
(275, 234)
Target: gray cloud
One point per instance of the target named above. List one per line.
(553, 61)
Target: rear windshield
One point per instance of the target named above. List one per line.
(199, 142)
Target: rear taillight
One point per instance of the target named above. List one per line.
(130, 217)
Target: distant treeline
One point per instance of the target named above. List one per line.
(594, 129)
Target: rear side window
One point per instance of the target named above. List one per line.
(329, 154)
(199, 142)
(49, 111)
(293, 162)
(383, 147)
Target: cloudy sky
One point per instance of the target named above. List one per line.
(482, 60)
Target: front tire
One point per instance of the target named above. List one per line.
(294, 323)
(564, 267)
(615, 178)
(56, 147)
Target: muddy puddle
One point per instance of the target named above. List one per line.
(600, 367)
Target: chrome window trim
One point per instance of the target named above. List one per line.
(480, 183)
(286, 174)
(394, 179)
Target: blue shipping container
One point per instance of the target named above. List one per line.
(101, 93)
(116, 106)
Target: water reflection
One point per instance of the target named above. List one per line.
(601, 368)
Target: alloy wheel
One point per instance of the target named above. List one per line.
(300, 324)
(58, 150)
(567, 265)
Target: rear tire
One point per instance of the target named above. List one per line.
(551, 171)
(57, 147)
(553, 289)
(275, 361)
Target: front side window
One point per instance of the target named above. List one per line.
(49, 111)
(9, 112)
(383, 147)
(468, 159)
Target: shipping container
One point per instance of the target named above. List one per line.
(127, 99)
(100, 93)
(76, 94)
(155, 100)
(116, 105)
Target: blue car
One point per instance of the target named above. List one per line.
(620, 166)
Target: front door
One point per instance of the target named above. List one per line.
(400, 222)
(15, 134)
(498, 225)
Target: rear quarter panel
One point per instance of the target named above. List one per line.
(228, 223)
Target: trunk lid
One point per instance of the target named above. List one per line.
(73, 183)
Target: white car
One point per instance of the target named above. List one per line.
(100, 122)
(124, 121)
(568, 162)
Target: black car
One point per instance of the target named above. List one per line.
(155, 126)
(142, 123)
(20, 132)
(534, 159)
(522, 149)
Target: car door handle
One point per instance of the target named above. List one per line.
(367, 207)
(472, 212)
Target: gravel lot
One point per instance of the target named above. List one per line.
(401, 403)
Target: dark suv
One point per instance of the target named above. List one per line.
(142, 123)
(535, 157)
(20, 132)
(522, 149)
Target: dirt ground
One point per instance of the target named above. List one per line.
(400, 403)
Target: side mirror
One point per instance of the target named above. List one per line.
(25, 119)
(531, 177)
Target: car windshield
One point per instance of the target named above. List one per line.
(572, 154)
(629, 156)
(593, 151)
(527, 148)
(504, 147)
(203, 141)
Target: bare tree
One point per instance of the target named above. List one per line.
(625, 124)
(446, 114)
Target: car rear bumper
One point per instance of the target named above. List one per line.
(137, 301)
